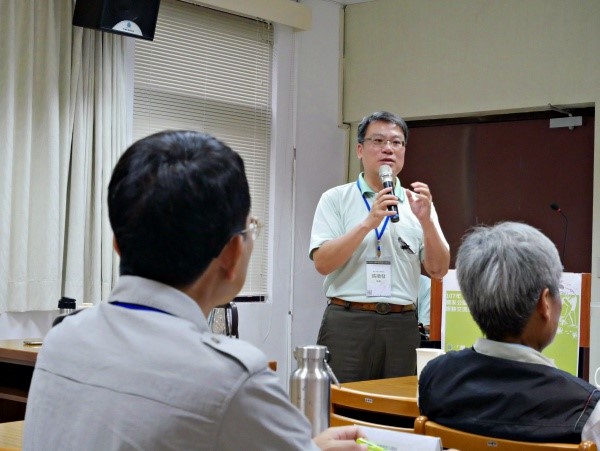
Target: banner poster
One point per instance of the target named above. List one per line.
(460, 331)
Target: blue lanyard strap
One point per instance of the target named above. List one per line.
(137, 307)
(378, 234)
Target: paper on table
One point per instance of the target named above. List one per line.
(399, 441)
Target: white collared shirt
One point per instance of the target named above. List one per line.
(511, 351)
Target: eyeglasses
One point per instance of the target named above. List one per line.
(380, 143)
(253, 228)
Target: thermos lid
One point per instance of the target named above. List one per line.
(66, 303)
(316, 352)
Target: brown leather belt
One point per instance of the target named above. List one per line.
(383, 308)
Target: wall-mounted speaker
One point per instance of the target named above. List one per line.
(134, 18)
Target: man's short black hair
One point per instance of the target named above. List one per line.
(384, 116)
(174, 200)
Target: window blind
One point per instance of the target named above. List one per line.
(210, 71)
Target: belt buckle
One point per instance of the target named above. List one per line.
(383, 308)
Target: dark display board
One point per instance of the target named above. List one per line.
(483, 173)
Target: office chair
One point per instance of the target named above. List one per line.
(465, 441)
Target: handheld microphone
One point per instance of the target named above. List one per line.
(387, 179)
(557, 209)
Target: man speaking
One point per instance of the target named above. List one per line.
(370, 241)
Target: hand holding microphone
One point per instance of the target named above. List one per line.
(387, 179)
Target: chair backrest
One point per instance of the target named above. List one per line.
(370, 409)
(465, 441)
(340, 420)
(11, 435)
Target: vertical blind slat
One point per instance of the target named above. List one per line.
(211, 71)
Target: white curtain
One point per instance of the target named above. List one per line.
(63, 124)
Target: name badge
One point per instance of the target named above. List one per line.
(379, 278)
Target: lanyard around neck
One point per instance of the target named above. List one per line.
(131, 306)
(378, 234)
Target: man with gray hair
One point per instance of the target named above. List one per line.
(503, 386)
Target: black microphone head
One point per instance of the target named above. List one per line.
(385, 171)
(554, 206)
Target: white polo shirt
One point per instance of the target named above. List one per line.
(342, 208)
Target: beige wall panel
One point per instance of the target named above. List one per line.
(428, 58)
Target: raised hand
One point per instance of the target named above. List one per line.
(419, 200)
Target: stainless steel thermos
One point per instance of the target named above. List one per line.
(310, 386)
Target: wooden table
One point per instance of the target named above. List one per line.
(11, 435)
(391, 403)
(16, 368)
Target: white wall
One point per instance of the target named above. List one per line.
(321, 155)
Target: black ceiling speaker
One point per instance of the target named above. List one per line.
(134, 18)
